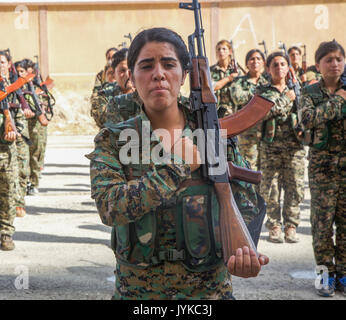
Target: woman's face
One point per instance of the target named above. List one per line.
(121, 75)
(278, 68)
(255, 63)
(22, 72)
(295, 56)
(158, 76)
(222, 52)
(332, 65)
(4, 65)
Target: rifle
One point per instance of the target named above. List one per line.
(235, 63)
(9, 125)
(293, 84)
(128, 36)
(20, 82)
(234, 233)
(14, 78)
(43, 85)
(264, 48)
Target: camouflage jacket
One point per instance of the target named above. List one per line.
(100, 99)
(99, 81)
(242, 90)
(278, 123)
(149, 194)
(324, 113)
(312, 74)
(121, 108)
(224, 94)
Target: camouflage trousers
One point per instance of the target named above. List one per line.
(249, 147)
(8, 179)
(23, 157)
(327, 181)
(171, 281)
(285, 161)
(38, 136)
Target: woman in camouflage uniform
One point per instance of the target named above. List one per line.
(161, 252)
(242, 90)
(109, 90)
(323, 116)
(282, 156)
(295, 55)
(22, 148)
(8, 166)
(222, 75)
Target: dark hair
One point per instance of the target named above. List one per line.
(294, 48)
(20, 64)
(111, 49)
(119, 56)
(251, 52)
(28, 64)
(327, 47)
(158, 35)
(6, 54)
(276, 54)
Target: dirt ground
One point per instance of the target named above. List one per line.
(63, 249)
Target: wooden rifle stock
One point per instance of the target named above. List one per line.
(20, 82)
(243, 174)
(234, 233)
(248, 116)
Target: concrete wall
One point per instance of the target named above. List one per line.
(78, 35)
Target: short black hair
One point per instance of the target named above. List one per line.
(158, 35)
(327, 47)
(295, 48)
(251, 52)
(119, 56)
(277, 54)
(6, 54)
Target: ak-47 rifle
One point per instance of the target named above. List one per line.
(263, 43)
(19, 83)
(19, 92)
(128, 36)
(293, 84)
(9, 125)
(43, 85)
(215, 169)
(235, 62)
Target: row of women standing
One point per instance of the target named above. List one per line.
(22, 154)
(276, 145)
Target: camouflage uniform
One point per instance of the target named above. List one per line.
(121, 108)
(8, 177)
(282, 156)
(312, 74)
(23, 156)
(324, 114)
(38, 137)
(133, 198)
(100, 99)
(224, 94)
(99, 81)
(242, 90)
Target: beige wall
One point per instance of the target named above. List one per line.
(78, 35)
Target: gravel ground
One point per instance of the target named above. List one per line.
(63, 250)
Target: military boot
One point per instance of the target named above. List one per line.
(275, 235)
(291, 235)
(7, 243)
(341, 284)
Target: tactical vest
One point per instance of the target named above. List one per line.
(318, 137)
(198, 242)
